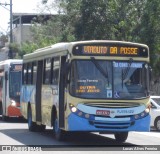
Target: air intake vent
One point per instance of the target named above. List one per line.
(113, 105)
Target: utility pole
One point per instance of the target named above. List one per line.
(10, 54)
(11, 21)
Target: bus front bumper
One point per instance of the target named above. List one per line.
(76, 123)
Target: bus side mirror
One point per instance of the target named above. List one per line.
(6, 75)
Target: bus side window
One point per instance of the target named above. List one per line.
(29, 72)
(55, 71)
(24, 75)
(47, 71)
(34, 72)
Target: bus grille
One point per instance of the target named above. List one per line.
(112, 105)
(111, 125)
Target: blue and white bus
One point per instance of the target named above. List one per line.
(88, 86)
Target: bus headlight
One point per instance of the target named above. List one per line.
(78, 112)
(73, 108)
(13, 103)
(147, 110)
(142, 114)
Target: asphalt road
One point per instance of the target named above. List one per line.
(15, 132)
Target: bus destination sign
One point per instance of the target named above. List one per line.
(16, 67)
(101, 50)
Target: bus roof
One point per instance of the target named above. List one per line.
(8, 61)
(60, 49)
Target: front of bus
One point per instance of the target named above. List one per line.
(14, 89)
(109, 87)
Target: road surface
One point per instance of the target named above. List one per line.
(15, 132)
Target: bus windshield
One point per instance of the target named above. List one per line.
(15, 82)
(99, 79)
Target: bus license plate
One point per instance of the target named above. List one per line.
(103, 112)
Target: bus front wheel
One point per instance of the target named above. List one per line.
(121, 137)
(59, 133)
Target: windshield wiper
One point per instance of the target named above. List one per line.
(99, 67)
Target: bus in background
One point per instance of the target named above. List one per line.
(10, 83)
(87, 86)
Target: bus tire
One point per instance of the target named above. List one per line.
(4, 118)
(59, 133)
(121, 137)
(31, 124)
(41, 128)
(157, 123)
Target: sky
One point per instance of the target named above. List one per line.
(19, 6)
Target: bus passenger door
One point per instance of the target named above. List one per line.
(38, 91)
(62, 93)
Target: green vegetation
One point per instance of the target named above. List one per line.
(128, 20)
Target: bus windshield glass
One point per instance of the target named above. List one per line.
(15, 81)
(99, 79)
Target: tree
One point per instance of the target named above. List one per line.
(3, 39)
(46, 33)
(129, 20)
(150, 31)
(93, 21)
(111, 19)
